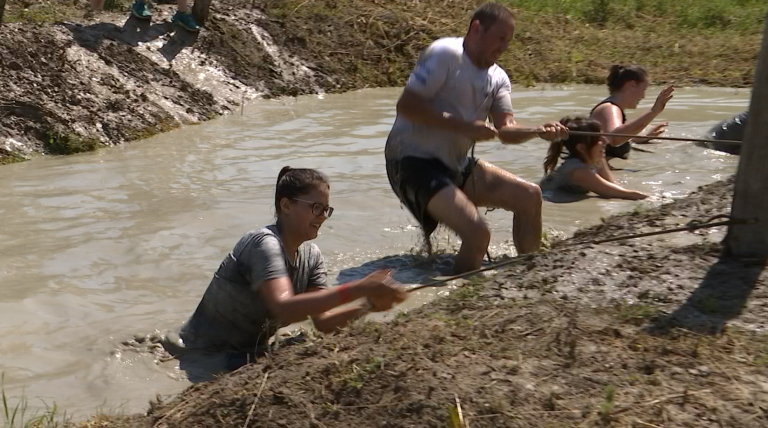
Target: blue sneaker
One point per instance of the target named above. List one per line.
(140, 10)
(186, 20)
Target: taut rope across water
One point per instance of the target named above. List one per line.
(612, 134)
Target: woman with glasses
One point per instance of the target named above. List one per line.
(274, 277)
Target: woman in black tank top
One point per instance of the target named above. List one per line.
(627, 85)
(611, 151)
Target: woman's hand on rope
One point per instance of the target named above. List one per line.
(383, 292)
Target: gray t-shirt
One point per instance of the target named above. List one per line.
(560, 179)
(232, 315)
(446, 77)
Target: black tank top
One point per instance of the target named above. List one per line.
(623, 150)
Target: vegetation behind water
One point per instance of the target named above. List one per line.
(689, 42)
(715, 15)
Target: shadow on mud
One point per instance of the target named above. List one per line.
(132, 33)
(721, 297)
(406, 268)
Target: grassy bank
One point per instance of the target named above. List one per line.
(558, 41)
(745, 16)
(370, 43)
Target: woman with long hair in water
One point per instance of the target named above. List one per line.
(627, 86)
(274, 277)
(583, 170)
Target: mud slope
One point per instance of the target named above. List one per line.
(634, 334)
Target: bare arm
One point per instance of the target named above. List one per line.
(605, 171)
(593, 182)
(288, 307)
(332, 320)
(512, 133)
(609, 116)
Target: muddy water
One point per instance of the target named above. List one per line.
(99, 246)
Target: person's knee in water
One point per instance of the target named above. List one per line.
(583, 170)
(626, 87)
(274, 277)
(443, 111)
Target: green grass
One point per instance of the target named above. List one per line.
(11, 158)
(34, 12)
(608, 403)
(67, 143)
(17, 415)
(469, 290)
(360, 374)
(635, 313)
(710, 305)
(55, 10)
(737, 15)
(762, 360)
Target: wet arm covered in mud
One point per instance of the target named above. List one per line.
(593, 182)
(609, 117)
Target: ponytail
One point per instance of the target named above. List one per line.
(556, 148)
(621, 74)
(553, 155)
(281, 174)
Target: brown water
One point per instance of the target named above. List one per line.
(98, 246)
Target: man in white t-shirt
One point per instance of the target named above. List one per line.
(453, 89)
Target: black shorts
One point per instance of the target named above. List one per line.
(621, 151)
(416, 180)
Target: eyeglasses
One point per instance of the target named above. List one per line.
(318, 209)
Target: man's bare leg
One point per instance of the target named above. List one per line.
(451, 207)
(493, 187)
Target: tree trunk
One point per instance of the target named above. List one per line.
(199, 11)
(750, 198)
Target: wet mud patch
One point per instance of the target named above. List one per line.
(56, 90)
(694, 285)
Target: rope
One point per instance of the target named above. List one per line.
(611, 134)
(690, 227)
(699, 140)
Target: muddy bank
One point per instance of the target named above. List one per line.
(69, 85)
(626, 334)
(73, 86)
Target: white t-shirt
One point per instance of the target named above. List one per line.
(446, 77)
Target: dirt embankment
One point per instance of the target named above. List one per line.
(68, 84)
(626, 334)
